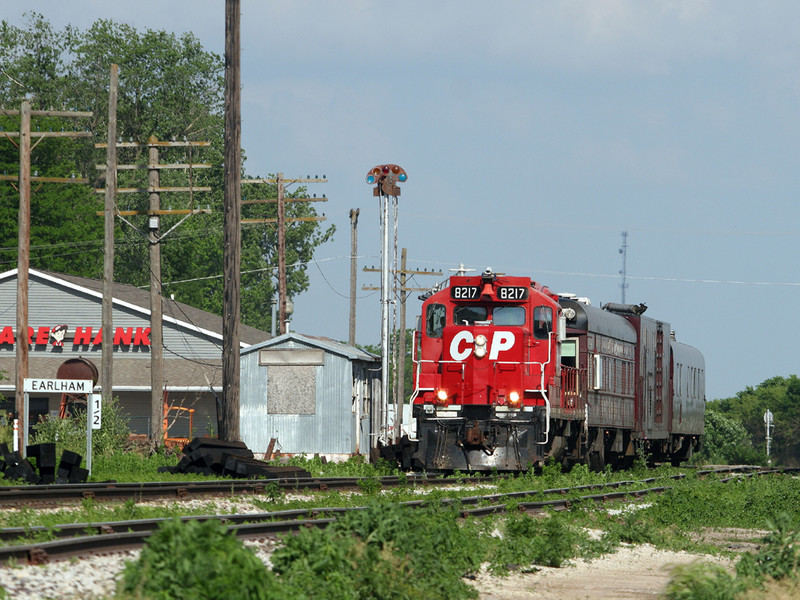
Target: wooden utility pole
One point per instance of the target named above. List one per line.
(156, 303)
(232, 243)
(402, 293)
(154, 189)
(24, 180)
(108, 240)
(399, 398)
(281, 225)
(281, 258)
(23, 263)
(353, 265)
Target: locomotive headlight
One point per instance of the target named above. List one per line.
(514, 399)
(480, 346)
(441, 397)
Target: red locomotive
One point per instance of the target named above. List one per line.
(509, 374)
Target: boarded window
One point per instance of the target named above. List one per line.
(291, 390)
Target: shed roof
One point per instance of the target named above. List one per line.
(326, 344)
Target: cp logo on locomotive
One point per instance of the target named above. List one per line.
(463, 342)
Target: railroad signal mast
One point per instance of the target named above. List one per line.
(385, 179)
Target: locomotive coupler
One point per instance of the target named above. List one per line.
(474, 436)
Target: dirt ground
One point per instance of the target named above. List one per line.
(630, 573)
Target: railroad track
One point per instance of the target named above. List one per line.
(58, 494)
(81, 539)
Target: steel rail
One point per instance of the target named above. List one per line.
(55, 493)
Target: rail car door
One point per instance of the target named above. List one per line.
(654, 401)
(573, 377)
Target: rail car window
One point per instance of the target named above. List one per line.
(508, 315)
(569, 353)
(435, 319)
(467, 315)
(542, 322)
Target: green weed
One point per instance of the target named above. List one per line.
(188, 560)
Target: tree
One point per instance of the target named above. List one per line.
(779, 395)
(726, 441)
(170, 87)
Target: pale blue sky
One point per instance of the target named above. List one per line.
(533, 134)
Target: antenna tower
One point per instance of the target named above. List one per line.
(624, 271)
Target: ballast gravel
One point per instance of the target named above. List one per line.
(85, 578)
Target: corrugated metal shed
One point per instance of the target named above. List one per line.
(312, 395)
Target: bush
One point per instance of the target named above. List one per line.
(70, 433)
(529, 540)
(194, 559)
(701, 581)
(383, 551)
(778, 559)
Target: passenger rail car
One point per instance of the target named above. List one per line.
(509, 374)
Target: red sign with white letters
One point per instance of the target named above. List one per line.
(82, 336)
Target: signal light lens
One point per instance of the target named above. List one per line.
(402, 177)
(385, 169)
(370, 179)
(441, 397)
(514, 399)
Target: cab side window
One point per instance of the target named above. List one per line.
(435, 318)
(542, 322)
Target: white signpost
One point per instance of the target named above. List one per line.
(768, 422)
(94, 407)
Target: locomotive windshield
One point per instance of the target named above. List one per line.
(508, 315)
(500, 315)
(467, 315)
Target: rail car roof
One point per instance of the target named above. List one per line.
(687, 355)
(597, 320)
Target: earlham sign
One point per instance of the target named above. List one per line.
(81, 336)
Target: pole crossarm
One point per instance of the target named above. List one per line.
(404, 289)
(287, 220)
(275, 200)
(285, 181)
(154, 190)
(51, 134)
(158, 213)
(406, 271)
(47, 179)
(148, 167)
(156, 144)
(48, 113)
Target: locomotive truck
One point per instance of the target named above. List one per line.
(509, 375)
